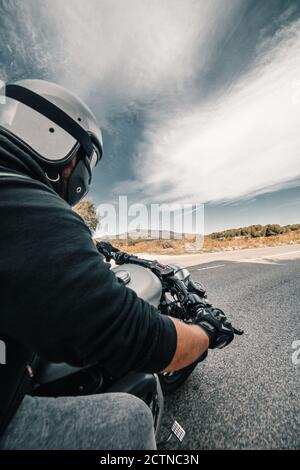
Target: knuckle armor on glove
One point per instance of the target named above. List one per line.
(216, 325)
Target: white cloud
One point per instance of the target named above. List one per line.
(244, 142)
(151, 54)
(133, 51)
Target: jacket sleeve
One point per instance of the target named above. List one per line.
(69, 306)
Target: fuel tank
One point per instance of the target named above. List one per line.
(141, 280)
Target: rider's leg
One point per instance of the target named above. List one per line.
(104, 422)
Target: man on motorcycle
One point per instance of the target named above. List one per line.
(59, 300)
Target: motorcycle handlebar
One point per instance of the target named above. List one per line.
(121, 257)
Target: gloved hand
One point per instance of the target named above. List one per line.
(215, 324)
(106, 248)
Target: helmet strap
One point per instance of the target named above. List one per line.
(57, 182)
(53, 180)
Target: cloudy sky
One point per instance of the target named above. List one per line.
(199, 100)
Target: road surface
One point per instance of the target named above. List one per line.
(246, 396)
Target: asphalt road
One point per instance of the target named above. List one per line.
(246, 396)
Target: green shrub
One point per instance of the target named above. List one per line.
(254, 231)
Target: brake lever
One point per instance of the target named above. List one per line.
(238, 331)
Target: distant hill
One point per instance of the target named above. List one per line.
(149, 235)
(254, 236)
(251, 231)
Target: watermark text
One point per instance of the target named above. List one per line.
(2, 93)
(2, 353)
(124, 221)
(296, 353)
(296, 92)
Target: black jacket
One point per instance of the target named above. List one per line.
(59, 299)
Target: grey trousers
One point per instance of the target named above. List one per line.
(113, 421)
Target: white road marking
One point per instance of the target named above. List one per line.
(211, 267)
(258, 261)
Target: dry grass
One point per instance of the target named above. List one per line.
(210, 245)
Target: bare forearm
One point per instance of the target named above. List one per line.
(192, 342)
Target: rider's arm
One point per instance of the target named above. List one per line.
(192, 342)
(62, 301)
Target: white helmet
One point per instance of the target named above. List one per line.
(55, 126)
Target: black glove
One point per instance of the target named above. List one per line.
(216, 325)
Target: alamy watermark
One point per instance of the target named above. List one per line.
(2, 93)
(295, 92)
(2, 353)
(296, 353)
(181, 223)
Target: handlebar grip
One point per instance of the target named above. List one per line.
(120, 257)
(107, 250)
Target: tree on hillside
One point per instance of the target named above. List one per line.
(87, 210)
(273, 229)
(254, 231)
(292, 227)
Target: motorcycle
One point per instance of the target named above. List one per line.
(172, 291)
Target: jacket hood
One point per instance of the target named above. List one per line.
(14, 156)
